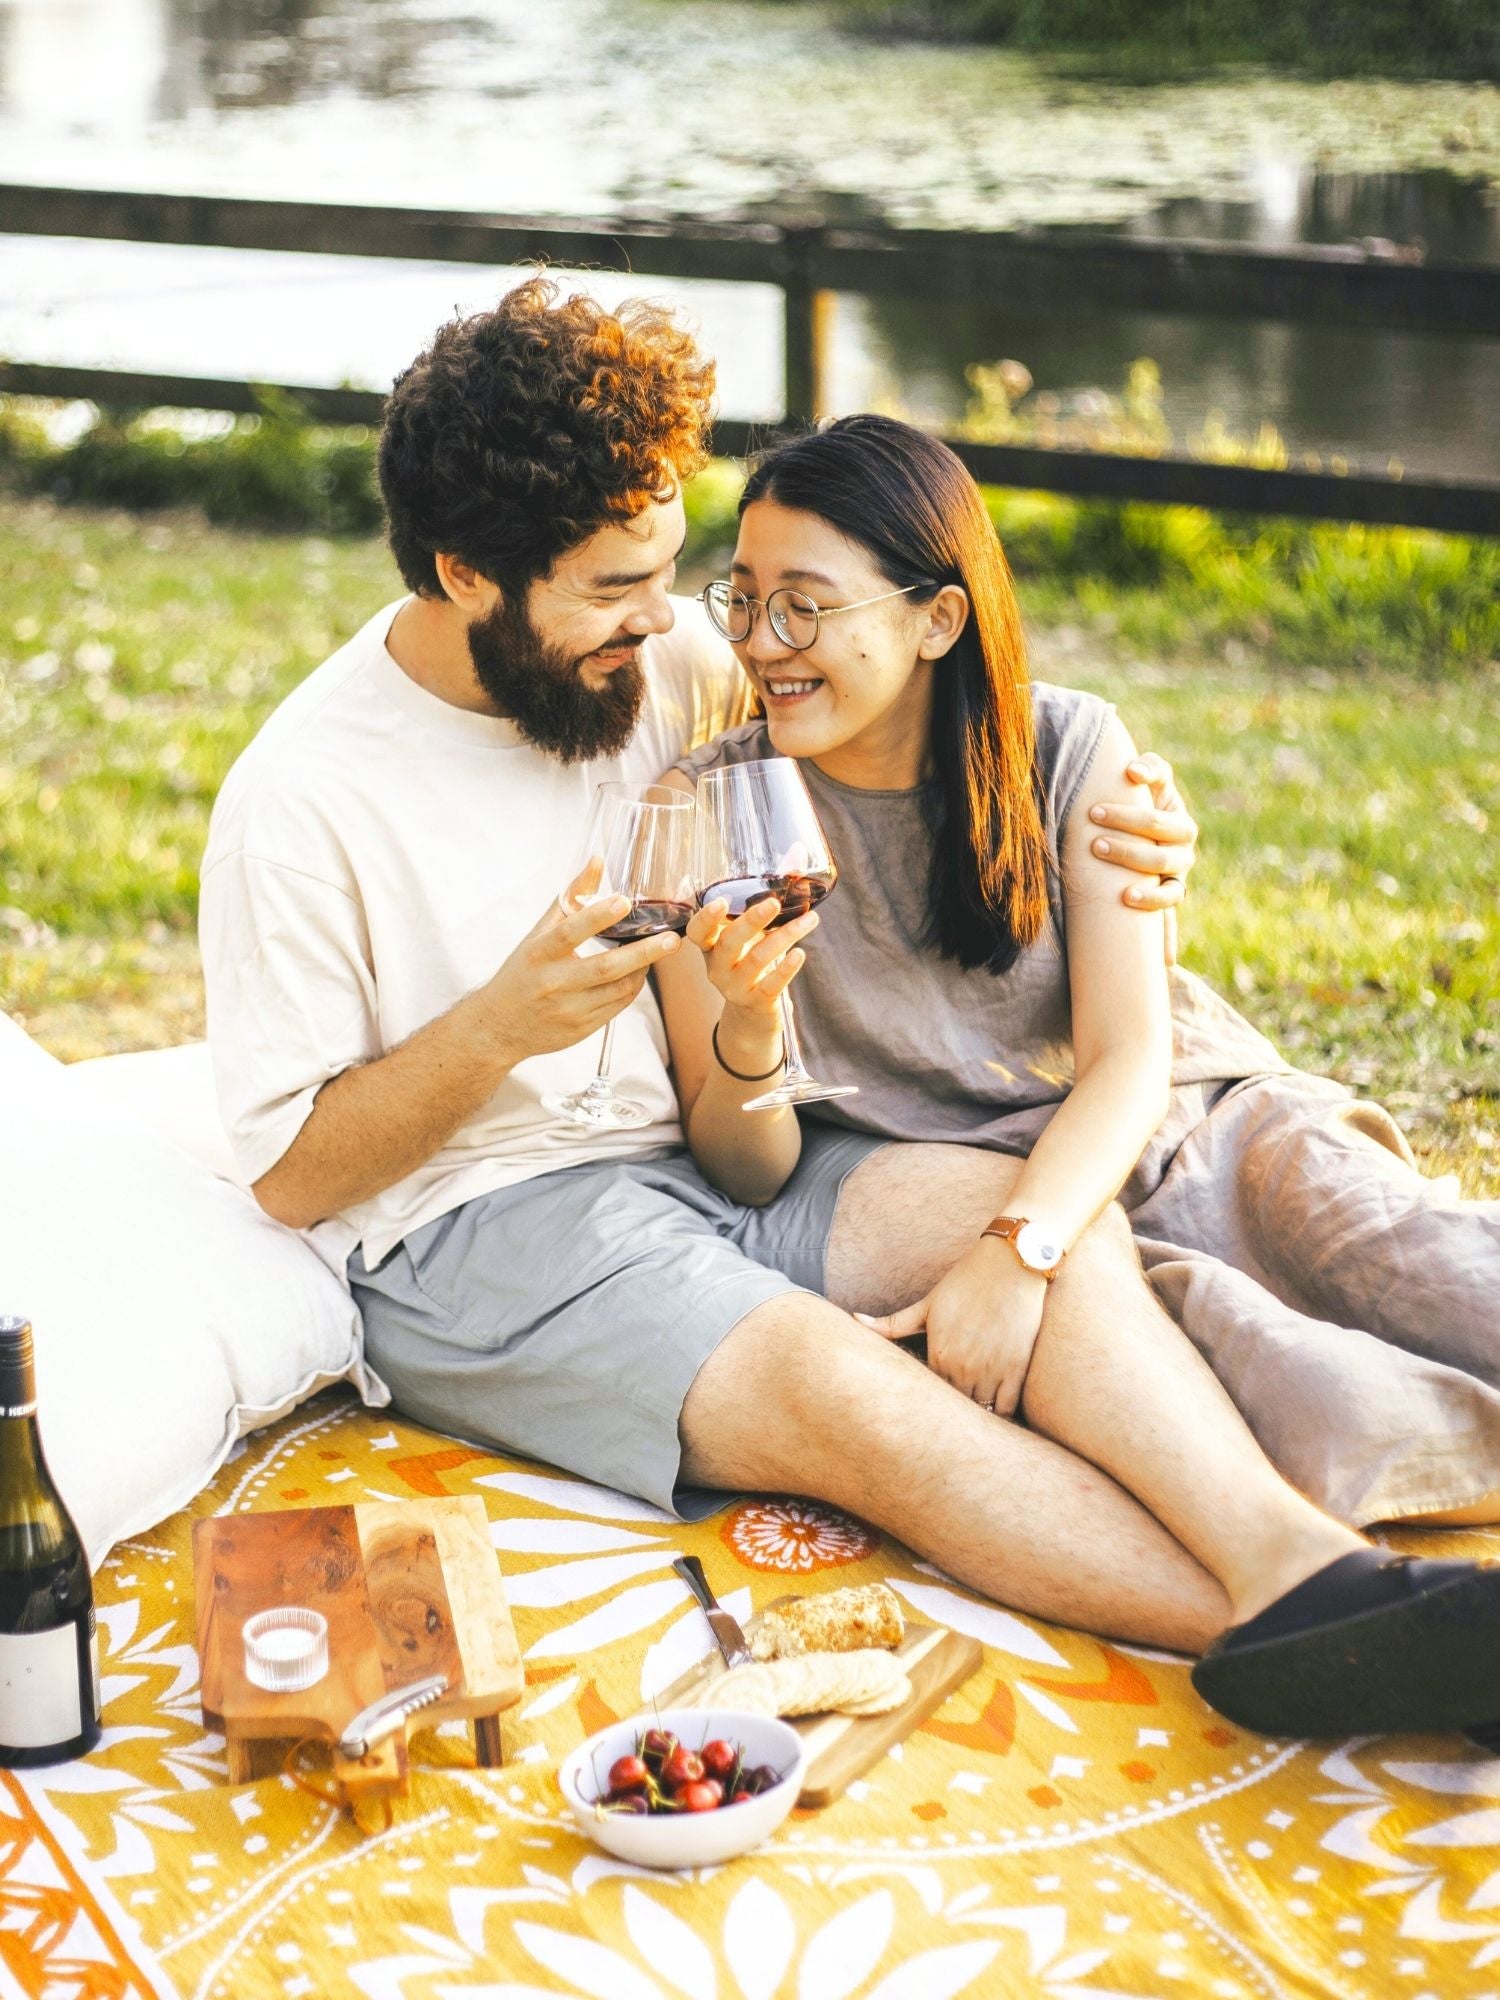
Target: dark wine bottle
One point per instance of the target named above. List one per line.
(49, 1651)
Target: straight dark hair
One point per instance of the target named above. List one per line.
(909, 503)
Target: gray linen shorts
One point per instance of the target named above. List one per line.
(565, 1317)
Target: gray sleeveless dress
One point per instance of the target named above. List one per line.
(1349, 1305)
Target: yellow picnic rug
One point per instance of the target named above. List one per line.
(1073, 1823)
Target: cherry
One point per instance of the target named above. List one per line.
(683, 1767)
(719, 1757)
(702, 1795)
(628, 1774)
(628, 1802)
(658, 1743)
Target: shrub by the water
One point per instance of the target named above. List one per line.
(273, 470)
(1449, 38)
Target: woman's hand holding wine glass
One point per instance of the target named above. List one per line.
(761, 865)
(750, 960)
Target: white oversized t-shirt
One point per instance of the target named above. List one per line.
(376, 853)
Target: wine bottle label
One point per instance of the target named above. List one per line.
(40, 1701)
(18, 1409)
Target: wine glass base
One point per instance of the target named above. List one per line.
(799, 1093)
(598, 1113)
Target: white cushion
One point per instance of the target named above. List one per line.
(172, 1090)
(171, 1314)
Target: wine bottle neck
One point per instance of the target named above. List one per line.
(21, 1459)
(17, 1372)
(23, 1468)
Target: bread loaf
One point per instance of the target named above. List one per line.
(838, 1621)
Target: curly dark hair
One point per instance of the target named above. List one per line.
(523, 430)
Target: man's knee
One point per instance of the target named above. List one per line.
(1106, 1249)
(906, 1215)
(1091, 1294)
(795, 1377)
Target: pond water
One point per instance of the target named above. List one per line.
(726, 107)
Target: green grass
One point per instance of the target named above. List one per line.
(1346, 899)
(1178, 581)
(1347, 896)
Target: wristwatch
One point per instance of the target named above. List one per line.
(1036, 1247)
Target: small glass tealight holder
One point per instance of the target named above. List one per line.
(286, 1650)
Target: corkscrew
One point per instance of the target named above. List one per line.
(384, 1717)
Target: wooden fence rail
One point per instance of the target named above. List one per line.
(809, 261)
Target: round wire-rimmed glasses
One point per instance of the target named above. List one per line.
(794, 617)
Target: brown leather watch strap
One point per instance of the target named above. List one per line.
(1006, 1227)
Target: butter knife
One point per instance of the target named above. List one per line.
(731, 1639)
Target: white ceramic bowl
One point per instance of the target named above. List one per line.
(685, 1840)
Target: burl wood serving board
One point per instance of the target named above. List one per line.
(409, 1588)
(841, 1748)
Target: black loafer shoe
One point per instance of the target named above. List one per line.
(1372, 1644)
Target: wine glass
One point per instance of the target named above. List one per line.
(642, 837)
(757, 834)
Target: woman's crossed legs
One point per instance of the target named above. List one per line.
(1117, 1403)
(1135, 1503)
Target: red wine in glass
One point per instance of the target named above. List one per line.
(648, 918)
(796, 892)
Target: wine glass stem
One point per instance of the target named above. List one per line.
(792, 1048)
(600, 1087)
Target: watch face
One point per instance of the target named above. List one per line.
(1038, 1250)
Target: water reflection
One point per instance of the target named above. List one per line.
(243, 54)
(1425, 401)
(153, 61)
(121, 86)
(598, 106)
(1422, 213)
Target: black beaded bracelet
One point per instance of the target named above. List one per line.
(738, 1074)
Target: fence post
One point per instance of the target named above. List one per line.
(808, 318)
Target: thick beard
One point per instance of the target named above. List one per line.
(542, 690)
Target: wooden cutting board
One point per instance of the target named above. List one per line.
(841, 1748)
(409, 1588)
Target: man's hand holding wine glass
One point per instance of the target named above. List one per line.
(547, 995)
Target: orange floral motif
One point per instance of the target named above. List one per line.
(420, 1472)
(55, 1940)
(993, 1730)
(594, 1712)
(792, 1535)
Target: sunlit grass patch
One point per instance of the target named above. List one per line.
(1346, 899)
(138, 657)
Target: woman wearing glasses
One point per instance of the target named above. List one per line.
(976, 977)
